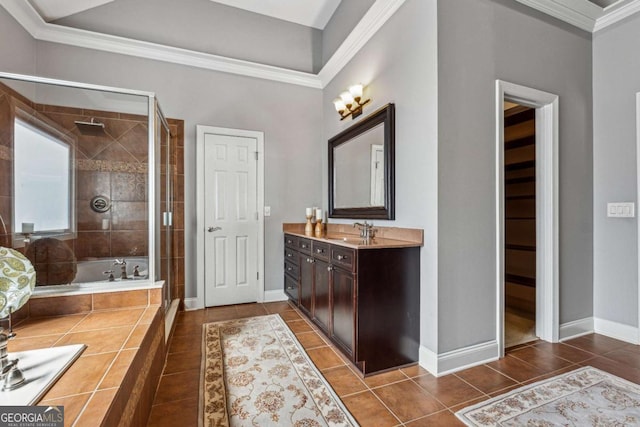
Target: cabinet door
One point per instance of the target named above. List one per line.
(291, 288)
(343, 309)
(306, 283)
(321, 302)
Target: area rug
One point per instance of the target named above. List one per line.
(584, 397)
(256, 373)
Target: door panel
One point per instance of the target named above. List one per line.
(343, 308)
(231, 234)
(321, 308)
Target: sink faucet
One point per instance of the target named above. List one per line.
(366, 230)
(123, 266)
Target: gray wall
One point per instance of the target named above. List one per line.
(399, 65)
(205, 26)
(292, 178)
(616, 80)
(17, 47)
(480, 41)
(343, 20)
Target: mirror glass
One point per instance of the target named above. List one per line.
(361, 168)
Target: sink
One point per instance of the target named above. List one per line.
(41, 369)
(350, 240)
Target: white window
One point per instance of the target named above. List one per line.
(42, 181)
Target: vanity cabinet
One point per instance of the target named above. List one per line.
(366, 300)
(291, 269)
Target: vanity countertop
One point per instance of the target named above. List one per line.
(346, 235)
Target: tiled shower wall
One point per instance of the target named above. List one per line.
(112, 164)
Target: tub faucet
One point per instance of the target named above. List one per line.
(123, 266)
(366, 230)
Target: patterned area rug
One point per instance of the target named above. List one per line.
(584, 397)
(256, 373)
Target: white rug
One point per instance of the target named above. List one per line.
(256, 373)
(584, 397)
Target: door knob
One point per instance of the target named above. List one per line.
(212, 229)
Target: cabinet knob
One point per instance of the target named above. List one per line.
(320, 251)
(341, 257)
(304, 246)
(329, 268)
(289, 255)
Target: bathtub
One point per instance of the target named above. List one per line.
(90, 279)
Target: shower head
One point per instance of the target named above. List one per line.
(92, 128)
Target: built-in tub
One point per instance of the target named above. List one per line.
(91, 279)
(96, 270)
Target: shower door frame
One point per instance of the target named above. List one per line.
(153, 187)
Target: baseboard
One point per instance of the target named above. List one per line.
(616, 330)
(576, 328)
(428, 360)
(459, 359)
(275, 295)
(192, 304)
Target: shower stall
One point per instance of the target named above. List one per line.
(86, 184)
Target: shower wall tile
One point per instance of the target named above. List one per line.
(6, 125)
(180, 160)
(99, 114)
(136, 142)
(178, 245)
(129, 215)
(93, 244)
(90, 145)
(179, 188)
(128, 187)
(129, 243)
(92, 183)
(89, 220)
(109, 300)
(178, 215)
(6, 178)
(115, 152)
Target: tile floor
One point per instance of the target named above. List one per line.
(404, 397)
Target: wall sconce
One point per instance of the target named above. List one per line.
(350, 103)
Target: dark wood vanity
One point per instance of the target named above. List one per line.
(364, 297)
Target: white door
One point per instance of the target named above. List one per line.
(231, 219)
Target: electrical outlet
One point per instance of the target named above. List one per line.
(267, 211)
(621, 210)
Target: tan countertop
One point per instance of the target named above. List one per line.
(347, 235)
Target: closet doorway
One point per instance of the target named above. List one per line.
(544, 107)
(520, 224)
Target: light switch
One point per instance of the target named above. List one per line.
(621, 210)
(267, 211)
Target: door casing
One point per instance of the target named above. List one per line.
(547, 204)
(201, 131)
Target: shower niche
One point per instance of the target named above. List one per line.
(87, 179)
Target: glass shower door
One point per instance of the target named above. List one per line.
(167, 173)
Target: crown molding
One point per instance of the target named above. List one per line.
(617, 15)
(563, 13)
(583, 14)
(373, 20)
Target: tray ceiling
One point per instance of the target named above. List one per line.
(310, 13)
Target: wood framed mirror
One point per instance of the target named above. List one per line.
(362, 168)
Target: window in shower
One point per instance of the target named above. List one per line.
(42, 168)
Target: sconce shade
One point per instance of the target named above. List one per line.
(347, 98)
(339, 104)
(356, 91)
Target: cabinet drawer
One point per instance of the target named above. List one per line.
(291, 269)
(291, 288)
(343, 257)
(291, 241)
(291, 255)
(304, 245)
(321, 250)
